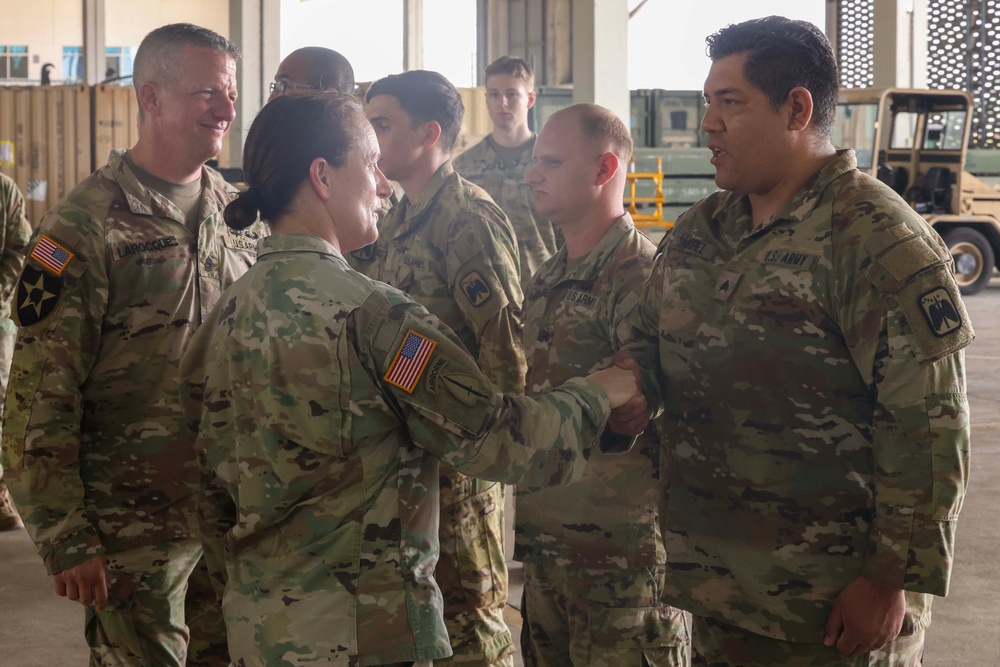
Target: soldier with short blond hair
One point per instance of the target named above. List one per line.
(499, 162)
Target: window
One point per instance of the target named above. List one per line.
(72, 66)
(904, 127)
(118, 62)
(14, 62)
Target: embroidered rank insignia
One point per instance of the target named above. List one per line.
(410, 361)
(940, 311)
(727, 285)
(466, 388)
(475, 289)
(51, 255)
(38, 294)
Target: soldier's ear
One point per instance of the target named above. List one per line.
(607, 168)
(321, 177)
(149, 97)
(432, 132)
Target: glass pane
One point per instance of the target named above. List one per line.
(945, 130)
(904, 125)
(18, 67)
(854, 127)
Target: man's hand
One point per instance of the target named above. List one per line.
(86, 583)
(632, 417)
(865, 616)
(618, 384)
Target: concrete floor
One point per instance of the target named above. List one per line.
(38, 629)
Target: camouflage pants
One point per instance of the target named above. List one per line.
(472, 575)
(600, 618)
(717, 644)
(144, 622)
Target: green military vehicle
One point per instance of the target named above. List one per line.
(916, 142)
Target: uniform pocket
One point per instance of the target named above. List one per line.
(472, 542)
(638, 627)
(112, 634)
(20, 398)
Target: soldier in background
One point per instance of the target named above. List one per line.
(16, 233)
(499, 163)
(451, 248)
(593, 554)
(119, 275)
(805, 334)
(324, 400)
(313, 68)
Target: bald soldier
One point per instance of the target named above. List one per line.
(451, 248)
(499, 162)
(119, 275)
(313, 68)
(593, 555)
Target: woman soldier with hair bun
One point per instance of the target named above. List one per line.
(322, 403)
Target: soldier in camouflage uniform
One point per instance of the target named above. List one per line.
(324, 400)
(449, 246)
(119, 275)
(806, 338)
(593, 555)
(499, 163)
(16, 233)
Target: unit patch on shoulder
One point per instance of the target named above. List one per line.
(466, 388)
(940, 311)
(475, 288)
(51, 255)
(38, 294)
(410, 361)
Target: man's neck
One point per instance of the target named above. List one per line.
(414, 185)
(151, 160)
(513, 137)
(765, 205)
(583, 235)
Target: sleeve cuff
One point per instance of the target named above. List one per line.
(910, 553)
(592, 397)
(71, 551)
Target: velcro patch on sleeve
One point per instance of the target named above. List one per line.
(410, 361)
(936, 314)
(50, 254)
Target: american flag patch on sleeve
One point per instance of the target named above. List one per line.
(410, 360)
(51, 255)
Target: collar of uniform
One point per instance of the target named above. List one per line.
(277, 243)
(589, 267)
(445, 172)
(216, 193)
(523, 159)
(735, 208)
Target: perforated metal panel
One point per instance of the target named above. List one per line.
(855, 43)
(963, 43)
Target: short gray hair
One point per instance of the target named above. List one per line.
(156, 58)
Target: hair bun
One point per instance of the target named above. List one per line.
(243, 210)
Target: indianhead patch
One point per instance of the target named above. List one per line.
(940, 311)
(38, 295)
(466, 388)
(475, 288)
(51, 255)
(410, 361)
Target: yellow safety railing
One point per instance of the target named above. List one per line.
(646, 220)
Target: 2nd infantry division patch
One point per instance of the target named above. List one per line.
(941, 312)
(37, 295)
(475, 288)
(410, 361)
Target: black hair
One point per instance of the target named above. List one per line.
(286, 136)
(783, 54)
(425, 96)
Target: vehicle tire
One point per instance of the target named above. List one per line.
(973, 256)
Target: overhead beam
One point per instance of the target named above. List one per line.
(94, 51)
